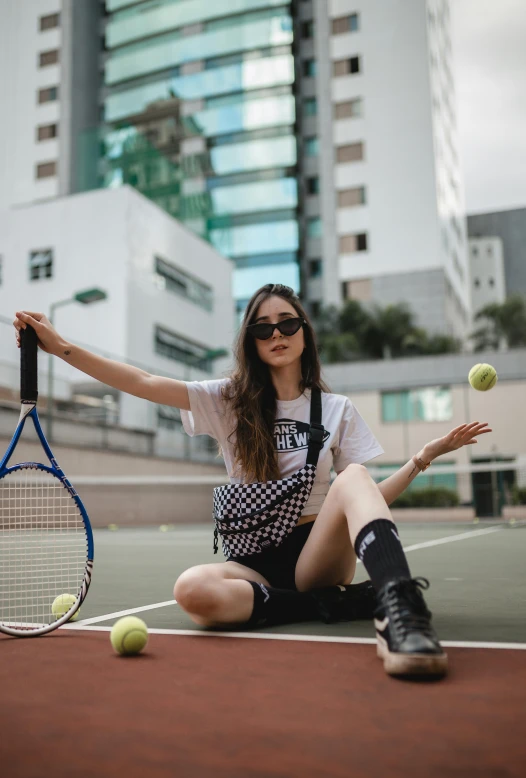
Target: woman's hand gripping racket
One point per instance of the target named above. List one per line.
(46, 542)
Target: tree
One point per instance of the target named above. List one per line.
(501, 322)
(355, 332)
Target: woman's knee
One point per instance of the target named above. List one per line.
(352, 474)
(197, 591)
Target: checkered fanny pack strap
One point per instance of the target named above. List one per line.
(316, 430)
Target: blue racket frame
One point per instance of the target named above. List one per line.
(29, 410)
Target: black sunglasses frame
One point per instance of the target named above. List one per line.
(264, 326)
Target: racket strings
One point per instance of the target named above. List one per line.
(43, 547)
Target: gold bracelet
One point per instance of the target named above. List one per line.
(420, 463)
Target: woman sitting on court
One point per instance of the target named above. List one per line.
(260, 417)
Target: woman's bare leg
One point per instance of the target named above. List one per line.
(328, 556)
(217, 594)
(220, 594)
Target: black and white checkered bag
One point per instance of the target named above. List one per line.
(253, 517)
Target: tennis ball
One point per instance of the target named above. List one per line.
(482, 377)
(129, 635)
(62, 604)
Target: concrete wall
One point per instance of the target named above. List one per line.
(151, 232)
(502, 407)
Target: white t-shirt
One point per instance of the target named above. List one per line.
(347, 439)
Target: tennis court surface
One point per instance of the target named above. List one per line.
(301, 700)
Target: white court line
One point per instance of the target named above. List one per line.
(297, 638)
(428, 544)
(118, 614)
(451, 538)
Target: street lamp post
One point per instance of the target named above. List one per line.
(86, 297)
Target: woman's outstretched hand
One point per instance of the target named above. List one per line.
(463, 435)
(48, 338)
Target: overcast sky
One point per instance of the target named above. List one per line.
(489, 49)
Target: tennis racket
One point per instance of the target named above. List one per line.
(46, 542)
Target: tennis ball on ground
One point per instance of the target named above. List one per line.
(62, 604)
(482, 377)
(129, 635)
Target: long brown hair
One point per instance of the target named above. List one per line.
(251, 395)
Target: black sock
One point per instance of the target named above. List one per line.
(285, 606)
(380, 549)
(279, 606)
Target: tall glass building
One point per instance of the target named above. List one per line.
(313, 142)
(199, 115)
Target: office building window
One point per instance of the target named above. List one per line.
(348, 244)
(312, 147)
(430, 404)
(345, 24)
(169, 344)
(309, 68)
(48, 58)
(353, 152)
(48, 94)
(169, 418)
(40, 264)
(348, 198)
(310, 106)
(307, 29)
(49, 22)
(357, 290)
(176, 280)
(350, 109)
(315, 268)
(47, 131)
(313, 185)
(314, 227)
(345, 67)
(46, 169)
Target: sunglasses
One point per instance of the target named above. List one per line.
(264, 331)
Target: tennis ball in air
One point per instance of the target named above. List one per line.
(129, 635)
(62, 604)
(482, 377)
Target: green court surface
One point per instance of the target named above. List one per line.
(477, 574)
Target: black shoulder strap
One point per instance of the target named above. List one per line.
(316, 430)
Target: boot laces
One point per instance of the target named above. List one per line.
(407, 606)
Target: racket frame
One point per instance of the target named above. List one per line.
(29, 410)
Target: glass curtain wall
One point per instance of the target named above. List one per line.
(199, 115)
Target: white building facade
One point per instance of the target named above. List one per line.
(392, 218)
(169, 301)
(487, 274)
(49, 94)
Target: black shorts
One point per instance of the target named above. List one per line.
(278, 565)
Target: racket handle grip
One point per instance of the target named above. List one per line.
(28, 365)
